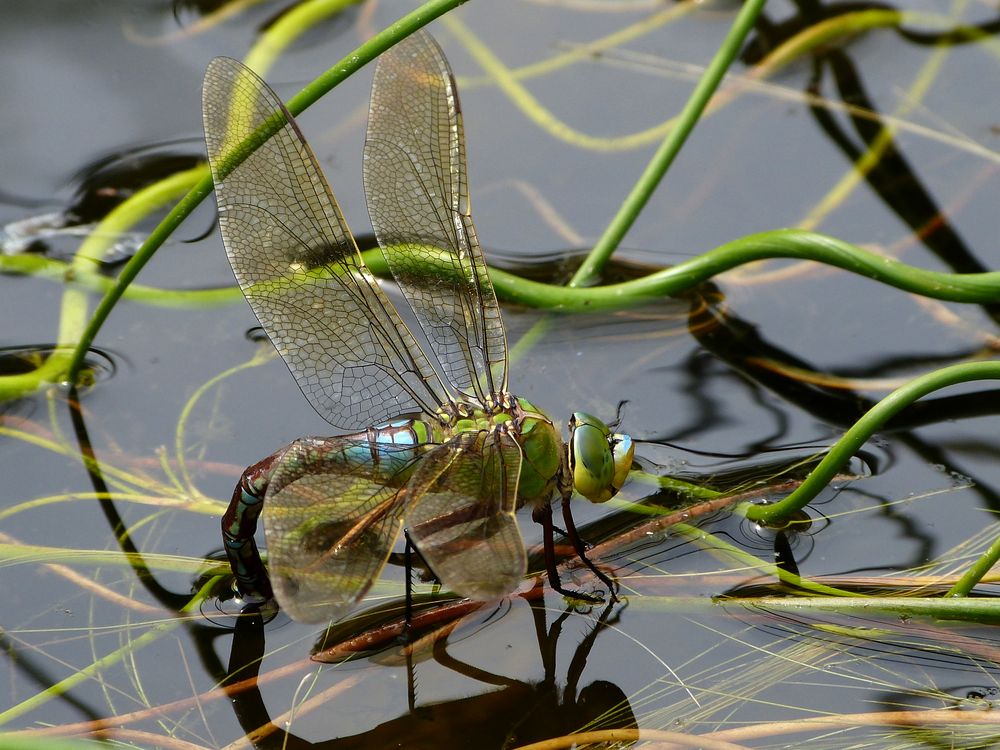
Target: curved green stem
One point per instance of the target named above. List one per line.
(288, 27)
(73, 310)
(155, 632)
(976, 288)
(642, 191)
(862, 430)
(982, 610)
(980, 288)
(157, 237)
(91, 279)
(722, 549)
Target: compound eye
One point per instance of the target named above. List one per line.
(590, 458)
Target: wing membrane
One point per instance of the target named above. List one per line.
(297, 263)
(462, 514)
(415, 180)
(332, 518)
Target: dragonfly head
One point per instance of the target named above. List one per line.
(598, 458)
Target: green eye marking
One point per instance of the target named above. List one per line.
(623, 450)
(599, 459)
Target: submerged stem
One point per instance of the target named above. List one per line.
(862, 430)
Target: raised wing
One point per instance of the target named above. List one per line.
(461, 514)
(332, 518)
(298, 265)
(418, 200)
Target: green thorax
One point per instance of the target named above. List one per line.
(540, 444)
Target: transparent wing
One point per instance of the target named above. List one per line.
(418, 200)
(461, 514)
(332, 515)
(296, 261)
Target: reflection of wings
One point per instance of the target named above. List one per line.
(462, 516)
(296, 261)
(331, 522)
(418, 201)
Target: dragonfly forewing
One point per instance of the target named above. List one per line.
(462, 514)
(415, 181)
(298, 265)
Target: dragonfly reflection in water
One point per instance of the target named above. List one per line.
(467, 454)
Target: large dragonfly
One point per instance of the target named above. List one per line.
(465, 454)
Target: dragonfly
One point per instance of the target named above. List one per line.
(439, 445)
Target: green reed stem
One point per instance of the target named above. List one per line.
(671, 146)
(131, 269)
(862, 430)
(964, 585)
(296, 105)
(977, 288)
(23, 742)
(720, 548)
(980, 288)
(85, 264)
(53, 269)
(156, 631)
(970, 609)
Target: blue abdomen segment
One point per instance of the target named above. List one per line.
(390, 448)
(402, 432)
(384, 454)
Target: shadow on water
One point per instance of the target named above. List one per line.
(506, 712)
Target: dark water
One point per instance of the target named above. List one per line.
(103, 98)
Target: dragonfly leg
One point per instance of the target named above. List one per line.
(408, 573)
(578, 544)
(238, 527)
(543, 515)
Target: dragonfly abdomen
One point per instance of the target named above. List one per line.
(322, 492)
(384, 453)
